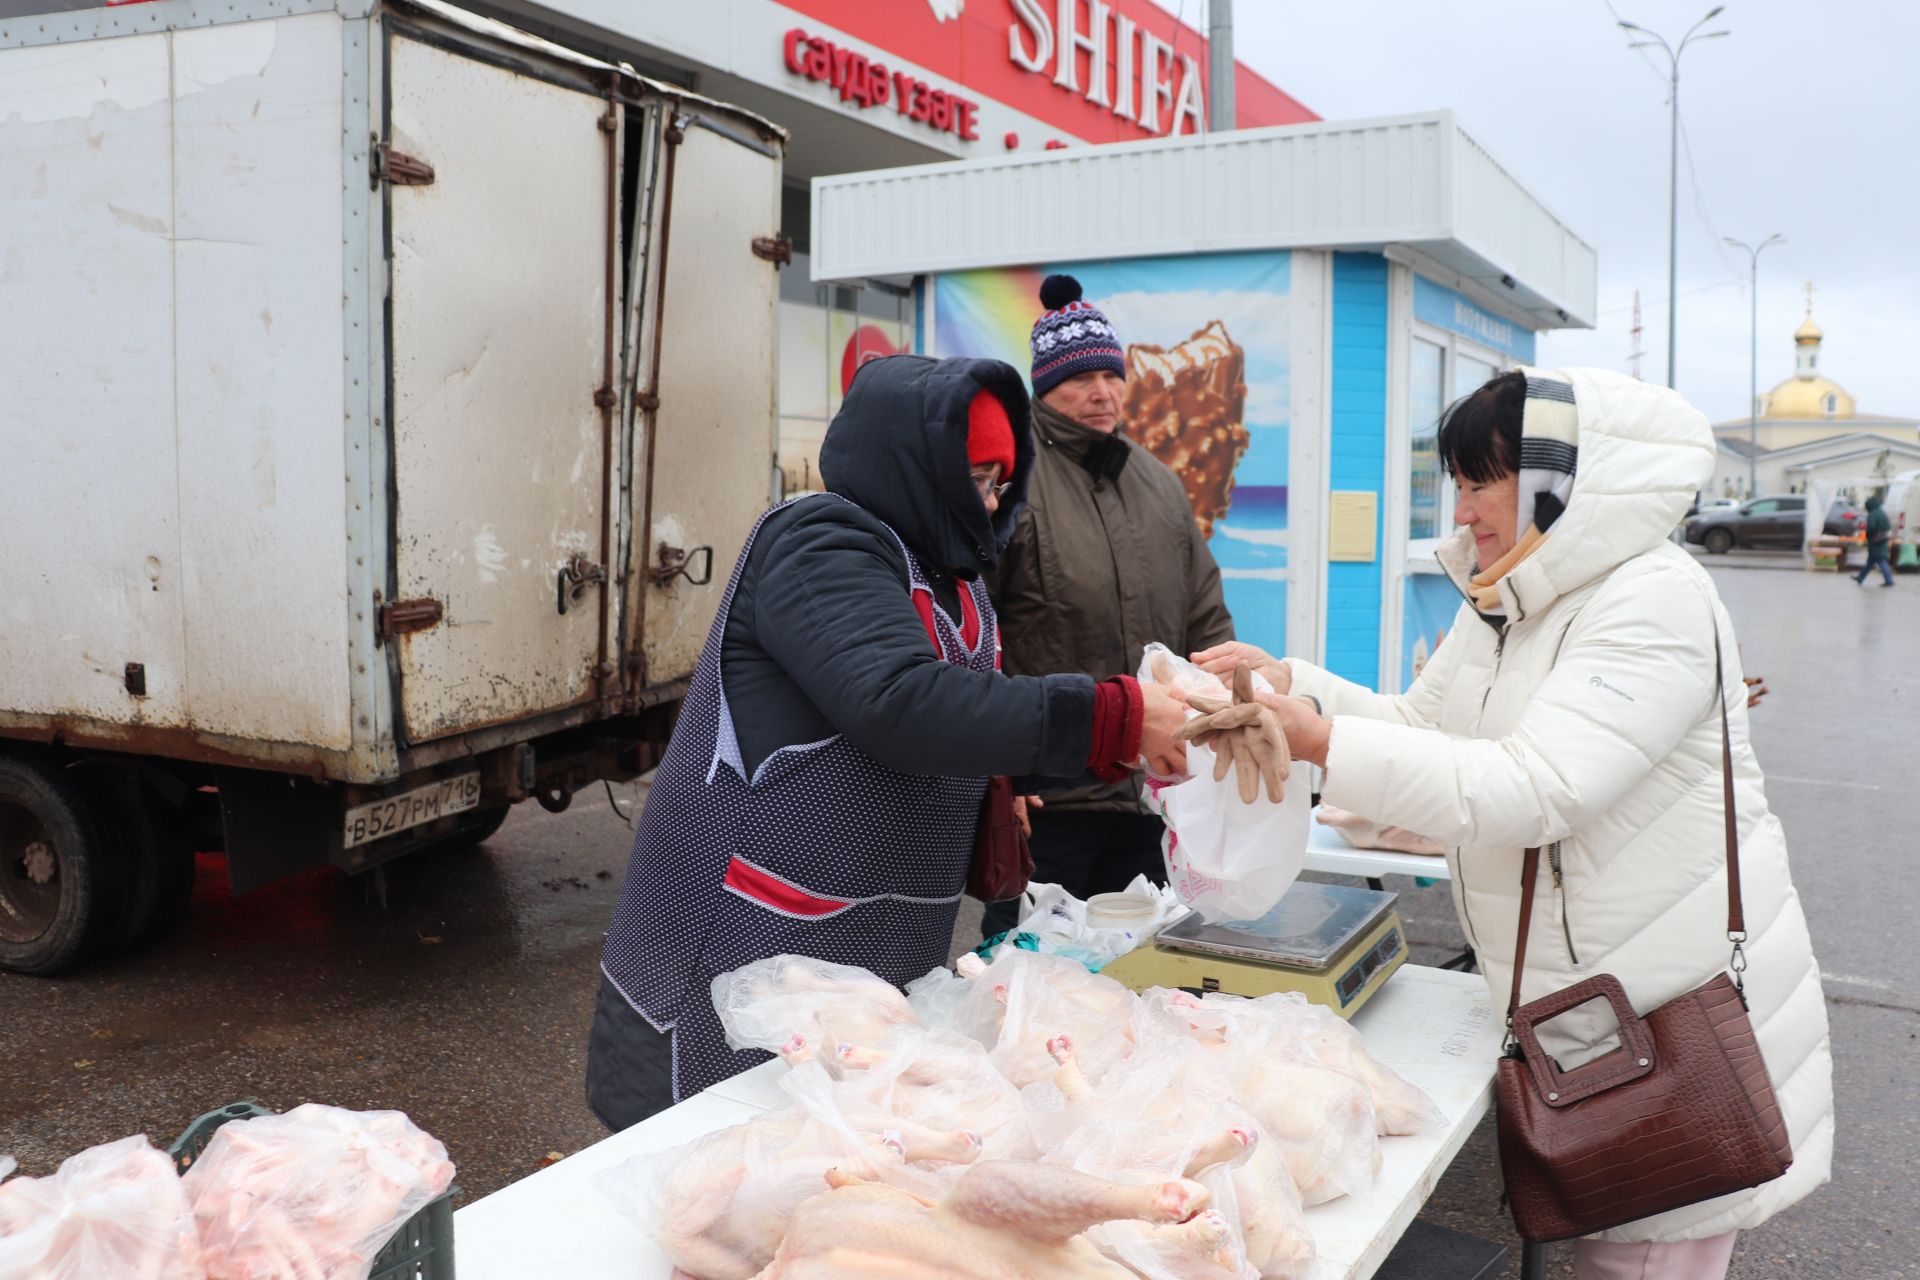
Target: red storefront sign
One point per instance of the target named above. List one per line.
(1099, 70)
(869, 84)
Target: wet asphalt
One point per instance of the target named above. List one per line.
(465, 1000)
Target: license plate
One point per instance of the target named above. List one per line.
(378, 819)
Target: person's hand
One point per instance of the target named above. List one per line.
(1223, 658)
(1756, 689)
(1024, 807)
(1308, 732)
(1244, 736)
(1163, 716)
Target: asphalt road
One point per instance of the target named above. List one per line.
(465, 1001)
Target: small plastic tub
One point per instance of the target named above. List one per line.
(1133, 911)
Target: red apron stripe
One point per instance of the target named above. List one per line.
(750, 881)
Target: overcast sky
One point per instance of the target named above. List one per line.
(1805, 121)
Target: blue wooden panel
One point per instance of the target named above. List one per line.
(1357, 453)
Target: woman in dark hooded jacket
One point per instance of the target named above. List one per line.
(1879, 541)
(822, 789)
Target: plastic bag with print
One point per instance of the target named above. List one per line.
(1226, 859)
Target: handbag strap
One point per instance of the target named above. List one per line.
(1736, 915)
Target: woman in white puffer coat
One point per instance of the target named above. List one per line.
(1573, 707)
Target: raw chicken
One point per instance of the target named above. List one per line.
(1165, 1110)
(112, 1212)
(943, 1080)
(764, 1005)
(310, 1195)
(1002, 1221)
(1041, 998)
(721, 1206)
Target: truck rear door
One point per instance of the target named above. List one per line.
(703, 380)
(499, 182)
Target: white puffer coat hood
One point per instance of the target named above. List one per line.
(1589, 725)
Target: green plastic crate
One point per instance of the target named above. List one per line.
(422, 1249)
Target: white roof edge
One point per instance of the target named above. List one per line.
(1435, 189)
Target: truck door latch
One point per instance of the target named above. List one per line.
(399, 168)
(775, 249)
(404, 616)
(576, 575)
(677, 562)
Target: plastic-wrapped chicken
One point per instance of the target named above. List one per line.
(312, 1194)
(112, 1212)
(1040, 998)
(1323, 1121)
(719, 1206)
(945, 1081)
(1166, 1112)
(1363, 834)
(766, 1004)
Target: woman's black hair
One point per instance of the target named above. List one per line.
(1479, 438)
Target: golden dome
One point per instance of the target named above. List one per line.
(1808, 331)
(1807, 398)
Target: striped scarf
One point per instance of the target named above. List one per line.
(1549, 452)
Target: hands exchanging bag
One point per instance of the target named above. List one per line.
(1232, 848)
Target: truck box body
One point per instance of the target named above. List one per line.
(318, 466)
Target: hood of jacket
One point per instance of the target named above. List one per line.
(1644, 453)
(898, 448)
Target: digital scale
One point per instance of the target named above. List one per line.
(1333, 944)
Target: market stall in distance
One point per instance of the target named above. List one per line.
(1312, 295)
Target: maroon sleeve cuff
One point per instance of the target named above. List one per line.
(1119, 715)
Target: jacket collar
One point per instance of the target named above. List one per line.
(1104, 454)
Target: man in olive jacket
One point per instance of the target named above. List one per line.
(1105, 560)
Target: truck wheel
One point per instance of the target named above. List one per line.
(59, 898)
(477, 829)
(154, 850)
(1719, 541)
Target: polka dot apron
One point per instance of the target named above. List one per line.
(823, 852)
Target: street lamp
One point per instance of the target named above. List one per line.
(1656, 40)
(1753, 360)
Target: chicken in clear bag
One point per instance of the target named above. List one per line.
(312, 1194)
(1023, 1000)
(767, 1004)
(944, 1081)
(1363, 834)
(112, 1212)
(718, 1206)
(1227, 858)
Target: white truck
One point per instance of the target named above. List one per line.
(384, 396)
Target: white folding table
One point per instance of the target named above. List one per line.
(1436, 1028)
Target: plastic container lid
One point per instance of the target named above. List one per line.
(1120, 910)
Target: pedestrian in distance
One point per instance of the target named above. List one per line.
(1576, 707)
(1106, 559)
(1879, 541)
(822, 790)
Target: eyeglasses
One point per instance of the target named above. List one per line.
(983, 481)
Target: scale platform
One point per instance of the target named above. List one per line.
(1333, 944)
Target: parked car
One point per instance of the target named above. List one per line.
(1777, 523)
(1712, 504)
(1844, 519)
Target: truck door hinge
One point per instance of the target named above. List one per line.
(775, 249)
(404, 616)
(399, 168)
(576, 575)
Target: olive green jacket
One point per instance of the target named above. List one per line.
(1105, 559)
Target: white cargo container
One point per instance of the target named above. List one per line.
(385, 394)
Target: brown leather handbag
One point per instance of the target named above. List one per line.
(1002, 863)
(1682, 1112)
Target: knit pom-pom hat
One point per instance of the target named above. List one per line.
(1073, 337)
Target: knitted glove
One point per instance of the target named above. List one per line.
(1244, 736)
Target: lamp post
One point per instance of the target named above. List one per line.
(1753, 358)
(1655, 40)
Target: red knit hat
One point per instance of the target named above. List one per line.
(989, 433)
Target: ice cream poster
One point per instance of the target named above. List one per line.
(1207, 339)
(1432, 604)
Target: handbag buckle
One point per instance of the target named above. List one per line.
(1737, 964)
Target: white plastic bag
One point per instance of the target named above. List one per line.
(112, 1212)
(1054, 922)
(831, 1007)
(310, 1195)
(1226, 859)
